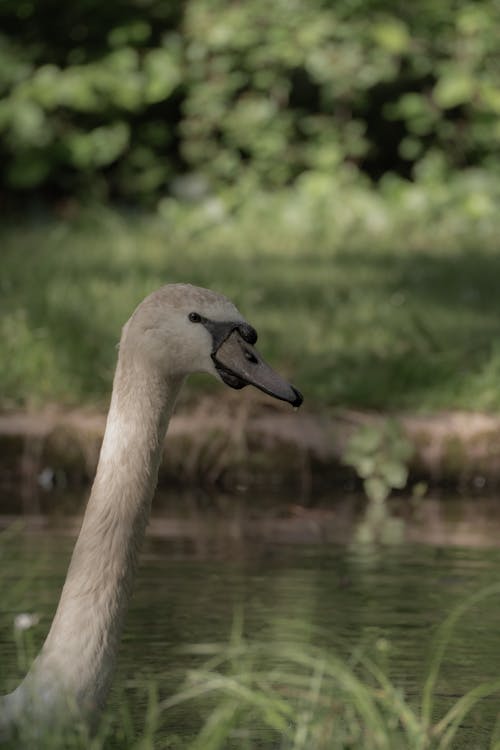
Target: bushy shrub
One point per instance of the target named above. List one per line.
(117, 98)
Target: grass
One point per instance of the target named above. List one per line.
(383, 299)
(287, 691)
(245, 695)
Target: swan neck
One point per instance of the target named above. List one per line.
(77, 660)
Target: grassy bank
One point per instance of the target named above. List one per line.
(383, 299)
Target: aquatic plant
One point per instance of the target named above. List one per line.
(379, 453)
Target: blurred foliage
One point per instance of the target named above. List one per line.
(114, 99)
(370, 298)
(379, 453)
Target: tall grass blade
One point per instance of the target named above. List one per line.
(440, 644)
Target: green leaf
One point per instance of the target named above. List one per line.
(394, 472)
(29, 169)
(364, 465)
(376, 489)
(454, 88)
(392, 35)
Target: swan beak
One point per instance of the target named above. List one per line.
(239, 364)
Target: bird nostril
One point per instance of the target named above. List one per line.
(250, 356)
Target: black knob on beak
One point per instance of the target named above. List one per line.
(247, 333)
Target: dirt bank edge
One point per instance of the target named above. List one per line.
(247, 443)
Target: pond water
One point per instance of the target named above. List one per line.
(290, 574)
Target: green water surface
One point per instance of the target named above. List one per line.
(388, 600)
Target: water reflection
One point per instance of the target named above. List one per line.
(233, 526)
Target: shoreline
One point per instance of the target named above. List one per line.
(243, 443)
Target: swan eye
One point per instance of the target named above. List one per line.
(194, 317)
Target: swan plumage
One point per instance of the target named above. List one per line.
(177, 330)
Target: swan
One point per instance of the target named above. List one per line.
(177, 330)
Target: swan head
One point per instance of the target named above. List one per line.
(182, 329)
